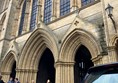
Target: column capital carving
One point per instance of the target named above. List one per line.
(27, 70)
(6, 73)
(111, 47)
(62, 63)
(74, 5)
(96, 59)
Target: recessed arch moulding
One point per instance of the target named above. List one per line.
(33, 50)
(74, 40)
(34, 47)
(7, 64)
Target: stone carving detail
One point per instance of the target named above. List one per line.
(76, 23)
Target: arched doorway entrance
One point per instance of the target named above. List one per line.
(8, 66)
(13, 70)
(46, 68)
(82, 63)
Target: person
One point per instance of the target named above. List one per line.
(16, 80)
(48, 81)
(32, 81)
(10, 80)
(1, 81)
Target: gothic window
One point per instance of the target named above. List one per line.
(47, 11)
(33, 15)
(85, 2)
(64, 7)
(22, 18)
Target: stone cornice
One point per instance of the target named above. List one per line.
(64, 63)
(97, 58)
(26, 70)
(5, 73)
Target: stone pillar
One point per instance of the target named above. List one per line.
(39, 12)
(26, 25)
(64, 72)
(42, 2)
(54, 10)
(79, 3)
(15, 27)
(112, 53)
(4, 6)
(26, 75)
(105, 22)
(73, 5)
(5, 76)
(97, 60)
(58, 8)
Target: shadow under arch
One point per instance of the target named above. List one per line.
(82, 63)
(8, 66)
(46, 70)
(116, 49)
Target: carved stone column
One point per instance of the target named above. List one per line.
(27, 17)
(42, 2)
(54, 9)
(15, 27)
(5, 76)
(112, 53)
(26, 75)
(64, 72)
(74, 5)
(39, 17)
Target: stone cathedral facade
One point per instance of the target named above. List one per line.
(57, 40)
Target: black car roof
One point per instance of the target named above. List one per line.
(102, 67)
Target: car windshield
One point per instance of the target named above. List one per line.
(107, 78)
(104, 76)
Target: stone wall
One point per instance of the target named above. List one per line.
(89, 26)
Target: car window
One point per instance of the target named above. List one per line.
(107, 78)
(103, 76)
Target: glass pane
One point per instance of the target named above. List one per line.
(107, 78)
(85, 2)
(64, 7)
(22, 18)
(47, 11)
(33, 16)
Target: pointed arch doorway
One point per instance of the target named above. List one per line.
(46, 68)
(82, 63)
(8, 66)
